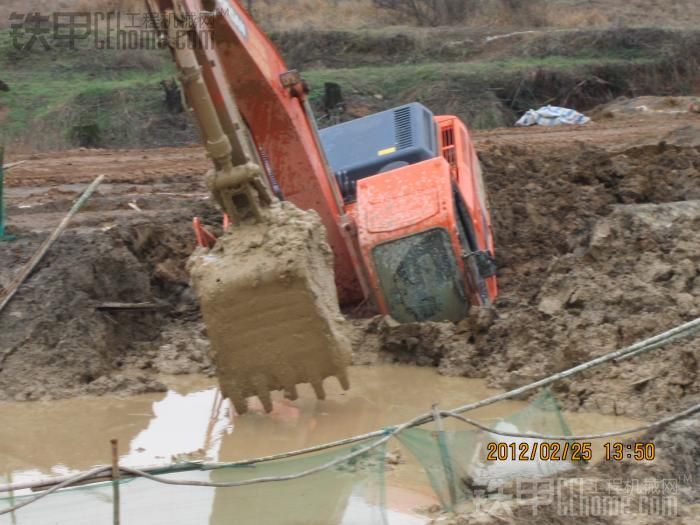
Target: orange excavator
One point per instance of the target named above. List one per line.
(400, 193)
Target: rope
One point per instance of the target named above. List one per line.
(75, 479)
(135, 472)
(225, 484)
(657, 424)
(359, 452)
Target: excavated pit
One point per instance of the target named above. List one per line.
(269, 302)
(598, 247)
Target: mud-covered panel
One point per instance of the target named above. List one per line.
(419, 278)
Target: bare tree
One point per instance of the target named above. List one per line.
(432, 12)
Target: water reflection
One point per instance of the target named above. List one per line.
(191, 422)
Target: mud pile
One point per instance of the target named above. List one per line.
(56, 343)
(596, 251)
(628, 107)
(269, 301)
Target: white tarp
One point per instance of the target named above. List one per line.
(552, 116)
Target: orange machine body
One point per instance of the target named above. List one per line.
(422, 197)
(238, 56)
(240, 64)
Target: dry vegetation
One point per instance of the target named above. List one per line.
(497, 14)
(355, 14)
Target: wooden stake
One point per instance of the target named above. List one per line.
(39, 255)
(132, 306)
(12, 499)
(11, 165)
(115, 480)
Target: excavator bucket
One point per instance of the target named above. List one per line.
(269, 302)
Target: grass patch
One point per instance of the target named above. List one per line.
(109, 98)
(393, 81)
(51, 92)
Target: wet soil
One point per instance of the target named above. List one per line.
(56, 342)
(597, 242)
(597, 249)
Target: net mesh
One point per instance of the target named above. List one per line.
(351, 493)
(456, 463)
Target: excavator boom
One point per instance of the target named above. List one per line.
(390, 208)
(261, 108)
(266, 288)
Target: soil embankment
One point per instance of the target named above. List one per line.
(56, 341)
(488, 78)
(598, 247)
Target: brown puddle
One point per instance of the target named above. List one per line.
(44, 439)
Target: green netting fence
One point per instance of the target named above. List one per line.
(457, 464)
(350, 493)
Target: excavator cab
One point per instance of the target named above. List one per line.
(413, 185)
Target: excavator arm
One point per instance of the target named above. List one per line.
(399, 195)
(266, 288)
(255, 122)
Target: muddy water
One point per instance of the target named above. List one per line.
(188, 422)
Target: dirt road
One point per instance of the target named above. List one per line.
(122, 166)
(611, 134)
(171, 165)
(43, 185)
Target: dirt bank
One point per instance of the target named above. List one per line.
(596, 250)
(312, 48)
(597, 241)
(57, 343)
(488, 78)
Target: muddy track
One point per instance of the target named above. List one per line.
(118, 166)
(613, 134)
(188, 163)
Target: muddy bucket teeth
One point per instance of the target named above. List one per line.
(269, 302)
